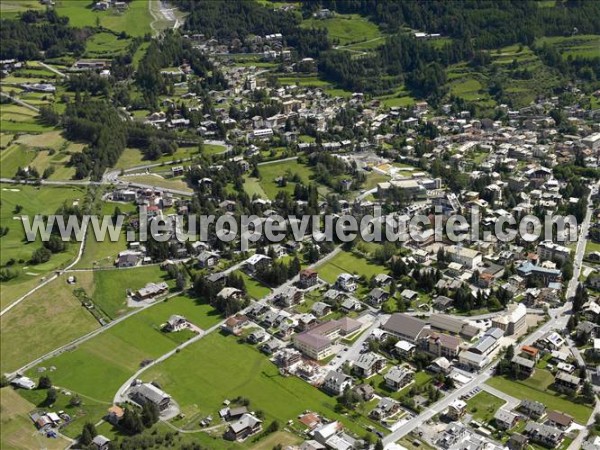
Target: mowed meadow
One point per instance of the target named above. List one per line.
(99, 366)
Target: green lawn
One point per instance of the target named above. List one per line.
(551, 399)
(586, 46)
(17, 429)
(346, 28)
(132, 157)
(347, 262)
(111, 286)
(269, 172)
(255, 289)
(225, 369)
(98, 367)
(49, 318)
(483, 406)
(134, 21)
(34, 200)
(15, 118)
(10, 8)
(105, 45)
(101, 254)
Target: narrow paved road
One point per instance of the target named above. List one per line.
(20, 102)
(80, 340)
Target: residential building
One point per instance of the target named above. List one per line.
(101, 442)
(544, 434)
(549, 251)
(445, 345)
(567, 381)
(176, 323)
(533, 409)
(346, 282)
(337, 382)
(386, 407)
(398, 377)
(526, 366)
(505, 419)
(308, 278)
(559, 420)
(235, 324)
(456, 409)
(368, 364)
(246, 426)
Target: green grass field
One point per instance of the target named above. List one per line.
(225, 369)
(255, 289)
(134, 21)
(132, 157)
(105, 45)
(15, 118)
(111, 286)
(483, 406)
(49, 318)
(347, 262)
(98, 367)
(33, 200)
(346, 28)
(18, 432)
(585, 45)
(551, 399)
(160, 181)
(269, 172)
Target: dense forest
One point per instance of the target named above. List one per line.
(37, 32)
(490, 23)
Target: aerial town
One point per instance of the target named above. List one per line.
(152, 112)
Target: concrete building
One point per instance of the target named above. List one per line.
(514, 321)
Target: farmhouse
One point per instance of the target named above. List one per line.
(151, 290)
(246, 426)
(147, 392)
